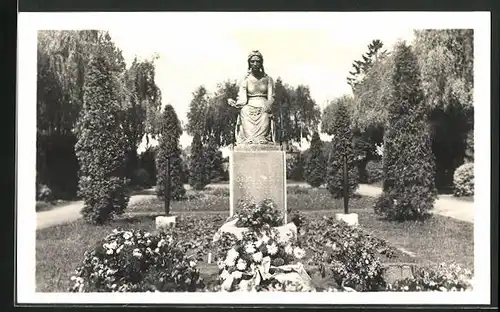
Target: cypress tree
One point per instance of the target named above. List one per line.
(101, 148)
(198, 171)
(408, 162)
(315, 169)
(342, 145)
(169, 151)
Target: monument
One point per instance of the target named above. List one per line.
(257, 168)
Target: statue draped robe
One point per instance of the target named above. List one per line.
(254, 121)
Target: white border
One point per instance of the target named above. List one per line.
(29, 23)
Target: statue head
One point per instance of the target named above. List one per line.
(255, 62)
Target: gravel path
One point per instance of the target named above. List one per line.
(446, 205)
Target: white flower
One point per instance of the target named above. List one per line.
(272, 249)
(237, 274)
(161, 243)
(127, 242)
(113, 245)
(147, 234)
(127, 235)
(109, 251)
(299, 253)
(115, 231)
(257, 257)
(258, 243)
(241, 265)
(265, 238)
(229, 262)
(157, 250)
(232, 254)
(289, 249)
(119, 249)
(137, 253)
(221, 264)
(224, 275)
(192, 263)
(148, 242)
(250, 248)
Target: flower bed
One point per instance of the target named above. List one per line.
(337, 257)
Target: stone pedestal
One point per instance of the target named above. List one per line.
(257, 172)
(163, 222)
(350, 218)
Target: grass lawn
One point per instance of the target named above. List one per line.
(60, 249)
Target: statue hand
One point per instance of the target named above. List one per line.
(231, 102)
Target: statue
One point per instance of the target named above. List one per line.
(255, 97)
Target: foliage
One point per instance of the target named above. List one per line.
(342, 146)
(142, 178)
(315, 169)
(147, 162)
(375, 172)
(101, 146)
(169, 150)
(198, 173)
(137, 261)
(294, 164)
(213, 159)
(463, 180)
(446, 277)
(347, 253)
(362, 66)
(198, 109)
(258, 215)
(44, 193)
(408, 162)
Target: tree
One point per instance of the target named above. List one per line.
(361, 67)
(315, 169)
(213, 158)
(169, 152)
(198, 109)
(342, 146)
(142, 100)
(198, 173)
(446, 62)
(101, 146)
(408, 162)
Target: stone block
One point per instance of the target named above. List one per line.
(163, 222)
(350, 218)
(257, 174)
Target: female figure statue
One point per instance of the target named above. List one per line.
(255, 97)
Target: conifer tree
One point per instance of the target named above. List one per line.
(101, 145)
(169, 151)
(408, 161)
(315, 169)
(198, 173)
(342, 146)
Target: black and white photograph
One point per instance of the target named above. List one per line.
(253, 158)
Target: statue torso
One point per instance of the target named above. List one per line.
(257, 87)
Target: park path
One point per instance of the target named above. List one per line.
(69, 213)
(445, 205)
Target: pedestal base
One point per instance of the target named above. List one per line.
(350, 218)
(163, 222)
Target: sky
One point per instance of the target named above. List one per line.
(189, 56)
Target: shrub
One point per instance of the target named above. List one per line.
(348, 254)
(342, 145)
(198, 173)
(142, 178)
(375, 172)
(443, 278)
(255, 216)
(409, 189)
(315, 169)
(463, 180)
(169, 148)
(136, 261)
(44, 193)
(101, 145)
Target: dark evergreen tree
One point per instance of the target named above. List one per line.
(342, 145)
(213, 160)
(101, 146)
(409, 189)
(198, 172)
(169, 150)
(315, 169)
